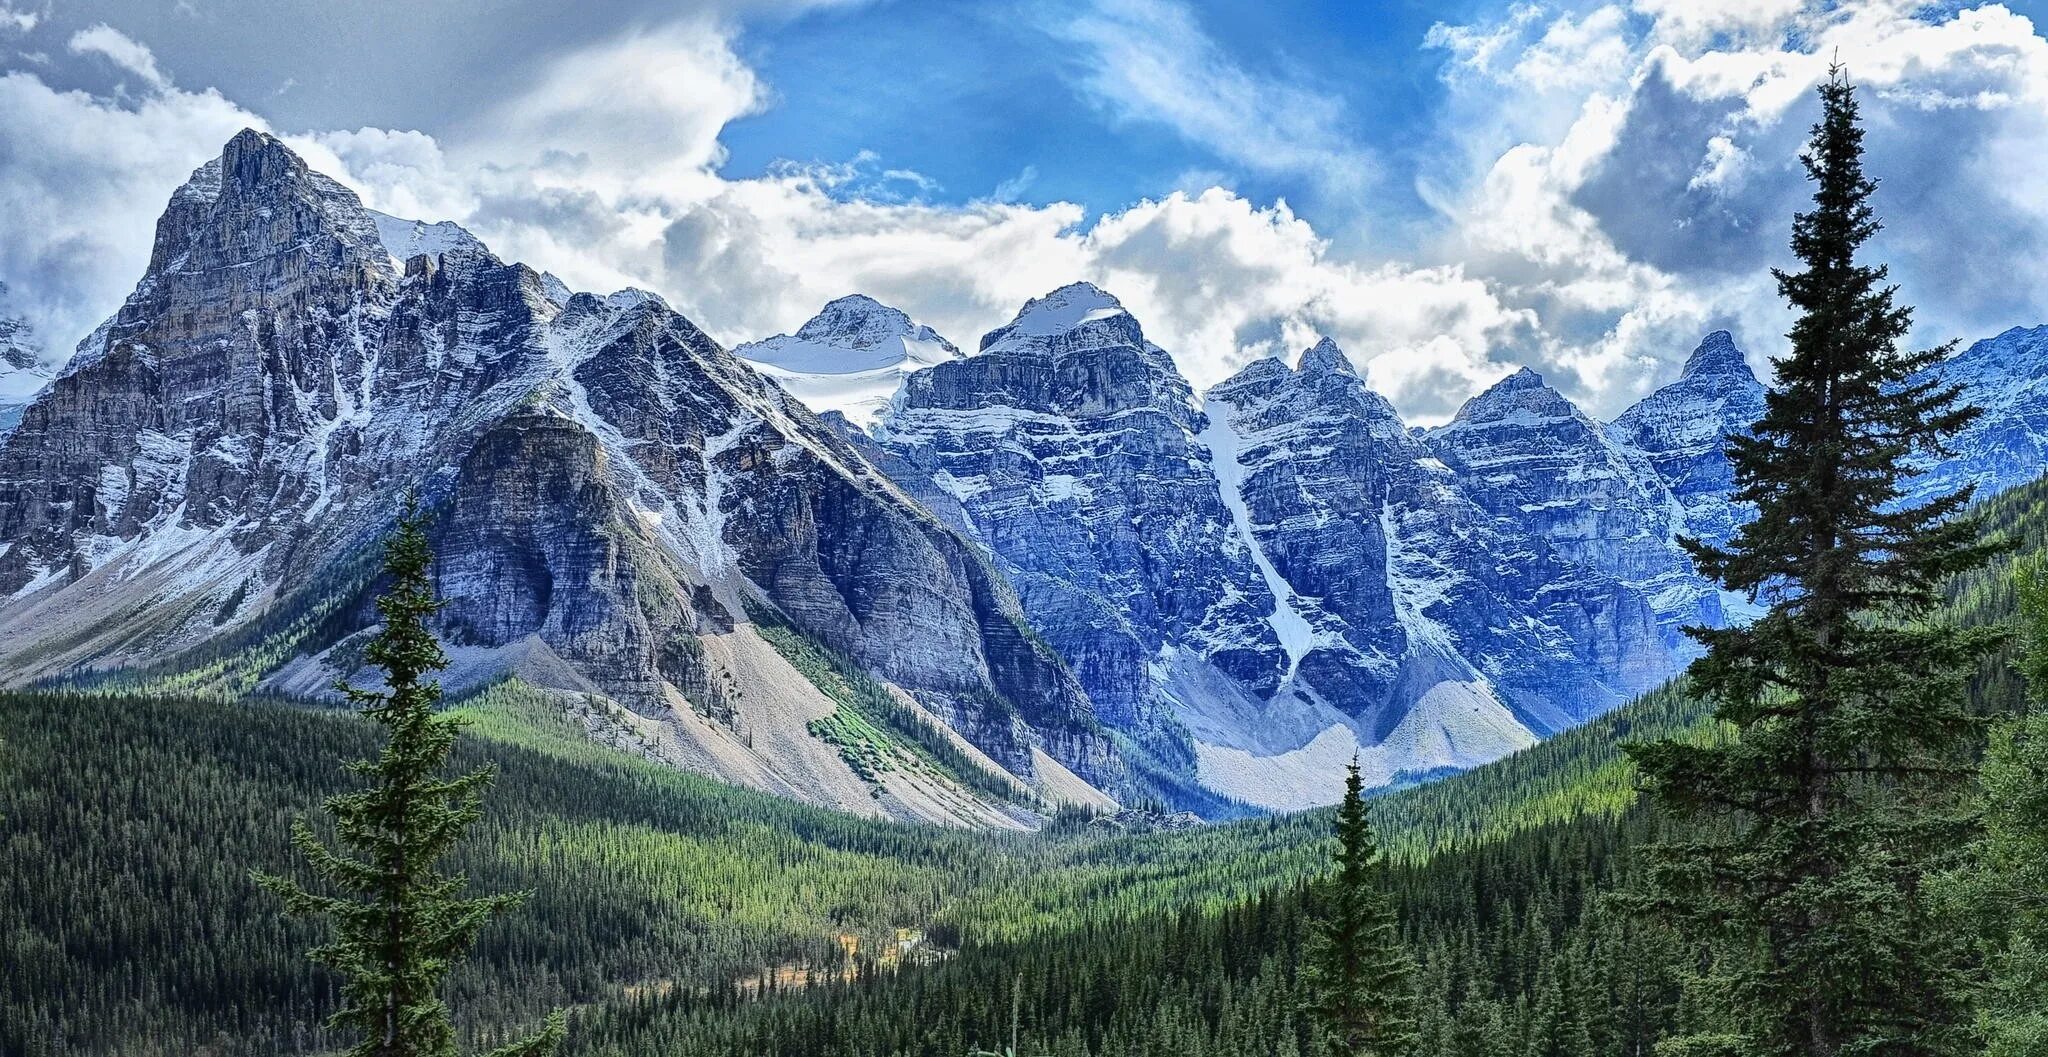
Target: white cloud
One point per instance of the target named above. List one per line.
(1149, 61)
(1641, 206)
(1694, 22)
(15, 20)
(1615, 184)
(628, 115)
(121, 50)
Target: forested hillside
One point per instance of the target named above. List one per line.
(1507, 881)
(132, 825)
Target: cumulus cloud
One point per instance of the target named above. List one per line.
(627, 114)
(82, 179)
(1217, 279)
(1652, 212)
(1614, 183)
(15, 20)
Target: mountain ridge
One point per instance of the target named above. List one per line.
(616, 492)
(1054, 552)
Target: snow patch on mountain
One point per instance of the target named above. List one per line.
(24, 371)
(1293, 630)
(405, 239)
(1065, 309)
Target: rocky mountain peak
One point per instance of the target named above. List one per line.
(2006, 445)
(859, 322)
(1326, 357)
(22, 370)
(1522, 393)
(1067, 309)
(1717, 355)
(259, 202)
(620, 497)
(18, 348)
(1266, 371)
(405, 239)
(850, 358)
(253, 160)
(1681, 429)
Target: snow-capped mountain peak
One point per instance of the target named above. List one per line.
(851, 357)
(633, 297)
(860, 323)
(1521, 395)
(19, 351)
(23, 371)
(1061, 312)
(2006, 445)
(406, 239)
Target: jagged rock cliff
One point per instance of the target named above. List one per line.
(1535, 461)
(23, 371)
(2007, 445)
(1431, 635)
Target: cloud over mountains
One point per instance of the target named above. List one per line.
(1608, 182)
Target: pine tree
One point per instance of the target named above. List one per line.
(1360, 981)
(2003, 889)
(400, 921)
(1846, 701)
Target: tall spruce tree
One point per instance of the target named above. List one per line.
(400, 922)
(2002, 891)
(1360, 980)
(1842, 779)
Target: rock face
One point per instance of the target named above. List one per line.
(1073, 448)
(2007, 445)
(1259, 587)
(1438, 636)
(618, 498)
(850, 358)
(1680, 429)
(1533, 460)
(1050, 557)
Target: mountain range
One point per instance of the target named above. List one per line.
(851, 565)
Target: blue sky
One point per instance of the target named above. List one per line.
(1450, 189)
(976, 95)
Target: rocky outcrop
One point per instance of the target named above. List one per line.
(2007, 444)
(22, 369)
(1430, 634)
(1259, 587)
(1532, 459)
